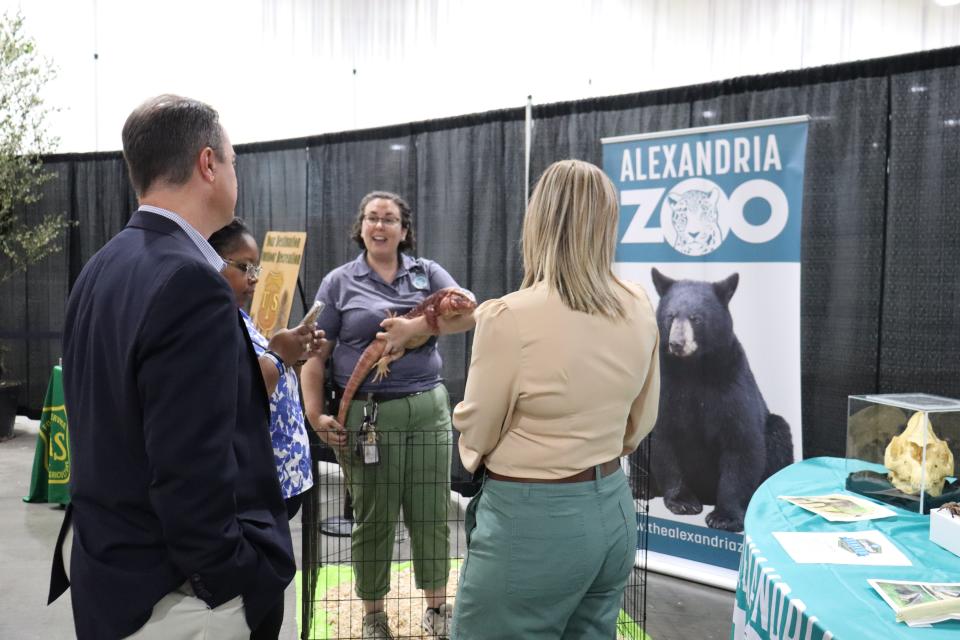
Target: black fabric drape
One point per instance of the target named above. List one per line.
(338, 176)
(344, 173)
(470, 197)
(104, 201)
(272, 190)
(272, 196)
(920, 319)
(879, 277)
(32, 303)
(578, 134)
(841, 238)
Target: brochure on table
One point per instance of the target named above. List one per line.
(920, 603)
(865, 548)
(841, 507)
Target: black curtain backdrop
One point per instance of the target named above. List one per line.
(880, 273)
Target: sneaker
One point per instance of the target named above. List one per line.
(437, 624)
(376, 627)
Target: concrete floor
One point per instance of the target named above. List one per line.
(676, 609)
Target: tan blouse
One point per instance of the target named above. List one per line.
(551, 391)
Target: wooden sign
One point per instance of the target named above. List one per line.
(280, 260)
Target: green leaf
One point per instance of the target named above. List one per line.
(27, 233)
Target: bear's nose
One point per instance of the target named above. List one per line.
(676, 346)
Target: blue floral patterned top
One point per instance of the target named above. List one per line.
(291, 449)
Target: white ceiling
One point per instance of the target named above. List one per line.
(289, 68)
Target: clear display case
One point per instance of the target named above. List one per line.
(912, 441)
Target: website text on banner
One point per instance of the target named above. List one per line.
(710, 226)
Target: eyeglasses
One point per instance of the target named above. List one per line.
(387, 222)
(252, 270)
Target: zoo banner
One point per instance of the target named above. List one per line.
(710, 226)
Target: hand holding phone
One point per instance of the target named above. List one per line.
(310, 320)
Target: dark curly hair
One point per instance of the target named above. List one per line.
(227, 239)
(408, 244)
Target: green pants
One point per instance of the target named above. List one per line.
(546, 561)
(413, 474)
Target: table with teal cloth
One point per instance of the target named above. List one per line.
(778, 598)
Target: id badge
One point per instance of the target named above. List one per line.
(368, 444)
(371, 449)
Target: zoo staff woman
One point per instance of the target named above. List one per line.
(564, 379)
(411, 405)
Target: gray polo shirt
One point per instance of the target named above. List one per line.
(357, 301)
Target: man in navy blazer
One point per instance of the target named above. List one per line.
(175, 500)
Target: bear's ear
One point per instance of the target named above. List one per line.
(661, 282)
(713, 197)
(673, 198)
(725, 288)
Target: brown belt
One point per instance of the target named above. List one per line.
(380, 396)
(584, 476)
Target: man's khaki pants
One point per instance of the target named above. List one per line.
(182, 615)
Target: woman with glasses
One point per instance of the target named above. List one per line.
(402, 460)
(564, 379)
(278, 357)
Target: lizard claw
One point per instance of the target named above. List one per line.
(383, 370)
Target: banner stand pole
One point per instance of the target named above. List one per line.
(527, 136)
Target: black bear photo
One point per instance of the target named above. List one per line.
(715, 440)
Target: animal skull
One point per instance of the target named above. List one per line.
(909, 471)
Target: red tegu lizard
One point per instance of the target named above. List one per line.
(446, 303)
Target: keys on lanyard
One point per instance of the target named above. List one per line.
(368, 440)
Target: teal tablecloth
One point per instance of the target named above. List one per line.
(777, 598)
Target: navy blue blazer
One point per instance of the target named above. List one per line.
(173, 477)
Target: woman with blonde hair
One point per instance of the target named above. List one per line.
(564, 380)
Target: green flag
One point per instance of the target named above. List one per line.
(51, 463)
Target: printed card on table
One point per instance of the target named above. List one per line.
(868, 548)
(920, 603)
(840, 507)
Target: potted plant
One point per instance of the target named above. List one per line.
(25, 236)
(9, 391)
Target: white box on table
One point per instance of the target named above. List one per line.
(945, 529)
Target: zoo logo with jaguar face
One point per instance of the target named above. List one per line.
(695, 215)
